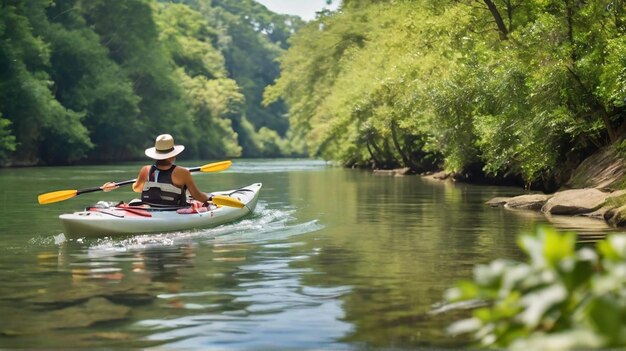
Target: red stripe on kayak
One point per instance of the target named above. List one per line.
(136, 211)
(130, 211)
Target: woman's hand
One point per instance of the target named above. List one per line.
(106, 187)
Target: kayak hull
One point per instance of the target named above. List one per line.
(122, 221)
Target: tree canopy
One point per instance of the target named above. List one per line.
(98, 80)
(491, 87)
(521, 89)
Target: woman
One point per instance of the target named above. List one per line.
(163, 183)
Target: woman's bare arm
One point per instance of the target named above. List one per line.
(187, 180)
(142, 177)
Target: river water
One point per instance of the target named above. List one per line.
(332, 258)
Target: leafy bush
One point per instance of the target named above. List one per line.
(563, 298)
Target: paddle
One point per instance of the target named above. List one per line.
(63, 195)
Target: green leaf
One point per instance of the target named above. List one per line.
(557, 246)
(538, 303)
(613, 247)
(464, 290)
(607, 317)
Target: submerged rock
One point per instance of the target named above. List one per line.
(528, 202)
(85, 314)
(108, 336)
(441, 175)
(123, 294)
(393, 172)
(93, 311)
(592, 224)
(498, 201)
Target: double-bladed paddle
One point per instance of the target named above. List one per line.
(62, 195)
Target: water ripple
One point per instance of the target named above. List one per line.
(276, 305)
(283, 165)
(265, 225)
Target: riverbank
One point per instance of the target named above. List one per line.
(588, 202)
(595, 190)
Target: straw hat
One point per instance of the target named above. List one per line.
(164, 148)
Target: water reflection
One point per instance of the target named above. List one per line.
(400, 244)
(267, 302)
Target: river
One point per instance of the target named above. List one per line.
(332, 258)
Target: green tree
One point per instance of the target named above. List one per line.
(86, 80)
(212, 104)
(129, 31)
(213, 100)
(7, 141)
(257, 37)
(44, 130)
(521, 89)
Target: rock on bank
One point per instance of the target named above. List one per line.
(594, 190)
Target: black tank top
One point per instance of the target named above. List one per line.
(160, 191)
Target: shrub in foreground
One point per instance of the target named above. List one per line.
(562, 298)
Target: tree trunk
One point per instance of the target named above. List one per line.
(372, 156)
(504, 32)
(390, 159)
(377, 151)
(394, 137)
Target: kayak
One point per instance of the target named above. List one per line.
(106, 219)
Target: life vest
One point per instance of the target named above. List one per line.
(160, 191)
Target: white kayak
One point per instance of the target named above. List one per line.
(111, 220)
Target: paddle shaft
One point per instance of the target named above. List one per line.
(63, 195)
(216, 199)
(91, 190)
(126, 182)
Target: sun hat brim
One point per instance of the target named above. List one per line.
(159, 155)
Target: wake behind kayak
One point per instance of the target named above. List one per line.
(125, 220)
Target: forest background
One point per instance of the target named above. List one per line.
(97, 80)
(508, 89)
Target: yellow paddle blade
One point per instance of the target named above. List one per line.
(56, 196)
(223, 200)
(216, 167)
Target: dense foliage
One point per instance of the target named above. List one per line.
(562, 299)
(99, 79)
(520, 88)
